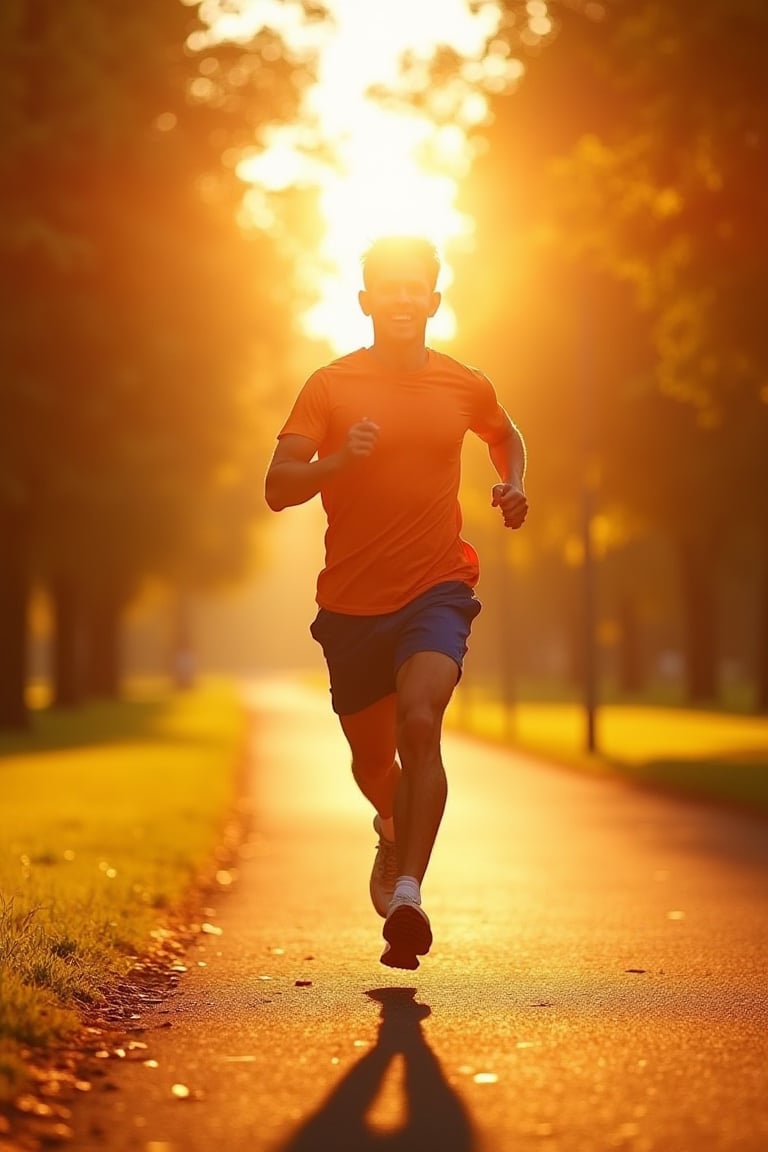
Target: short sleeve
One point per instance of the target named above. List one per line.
(309, 415)
(489, 419)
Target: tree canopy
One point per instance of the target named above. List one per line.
(144, 313)
(618, 281)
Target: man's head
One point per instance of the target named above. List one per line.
(386, 250)
(399, 277)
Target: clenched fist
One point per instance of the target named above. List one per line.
(362, 439)
(512, 502)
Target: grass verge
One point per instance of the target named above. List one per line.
(108, 816)
(719, 756)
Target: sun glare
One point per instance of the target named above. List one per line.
(388, 165)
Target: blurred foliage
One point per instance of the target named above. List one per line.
(615, 295)
(141, 309)
(147, 323)
(618, 287)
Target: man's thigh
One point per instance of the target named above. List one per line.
(426, 680)
(371, 732)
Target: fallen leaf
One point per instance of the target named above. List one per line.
(56, 1134)
(32, 1106)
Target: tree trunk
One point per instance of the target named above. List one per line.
(102, 641)
(761, 671)
(14, 600)
(700, 616)
(67, 677)
(183, 659)
(508, 637)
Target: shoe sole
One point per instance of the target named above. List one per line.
(408, 936)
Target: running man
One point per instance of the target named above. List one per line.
(378, 433)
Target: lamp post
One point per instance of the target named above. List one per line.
(588, 493)
(589, 615)
(506, 636)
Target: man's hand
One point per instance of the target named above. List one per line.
(362, 438)
(514, 506)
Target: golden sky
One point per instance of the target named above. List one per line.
(387, 166)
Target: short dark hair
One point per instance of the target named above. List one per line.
(384, 248)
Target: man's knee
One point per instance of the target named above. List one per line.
(419, 725)
(371, 768)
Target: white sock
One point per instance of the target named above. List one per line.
(409, 887)
(387, 827)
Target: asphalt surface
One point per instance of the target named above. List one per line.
(597, 980)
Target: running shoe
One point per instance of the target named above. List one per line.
(407, 933)
(384, 872)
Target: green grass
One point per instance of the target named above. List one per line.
(108, 815)
(733, 696)
(719, 755)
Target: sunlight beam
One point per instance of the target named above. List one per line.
(383, 165)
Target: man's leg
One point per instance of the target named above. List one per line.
(371, 737)
(425, 683)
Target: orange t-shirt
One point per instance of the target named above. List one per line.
(394, 521)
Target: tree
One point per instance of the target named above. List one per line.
(631, 158)
(140, 307)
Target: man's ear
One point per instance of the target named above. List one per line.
(362, 297)
(436, 298)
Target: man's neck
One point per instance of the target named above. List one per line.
(400, 358)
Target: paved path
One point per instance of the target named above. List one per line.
(597, 982)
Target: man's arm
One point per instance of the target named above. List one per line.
(509, 457)
(506, 449)
(293, 477)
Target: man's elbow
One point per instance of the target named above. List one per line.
(275, 502)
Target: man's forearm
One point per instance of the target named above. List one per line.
(294, 482)
(508, 457)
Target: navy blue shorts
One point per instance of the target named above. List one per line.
(363, 653)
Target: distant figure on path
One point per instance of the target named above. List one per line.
(378, 433)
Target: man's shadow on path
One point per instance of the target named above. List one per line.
(435, 1120)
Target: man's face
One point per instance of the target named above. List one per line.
(400, 299)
